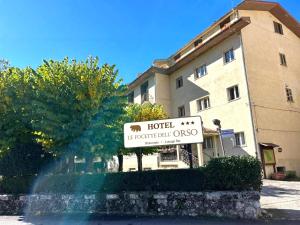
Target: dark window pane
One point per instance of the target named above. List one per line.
(181, 111)
(278, 28)
(144, 92)
(179, 82)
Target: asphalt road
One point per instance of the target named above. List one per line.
(15, 220)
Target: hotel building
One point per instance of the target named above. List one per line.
(243, 70)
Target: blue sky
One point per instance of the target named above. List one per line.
(128, 33)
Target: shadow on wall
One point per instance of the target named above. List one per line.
(231, 149)
(195, 91)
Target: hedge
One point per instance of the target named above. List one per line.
(230, 173)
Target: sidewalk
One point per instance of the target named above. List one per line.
(281, 199)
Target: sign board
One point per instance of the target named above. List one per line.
(269, 156)
(185, 130)
(227, 133)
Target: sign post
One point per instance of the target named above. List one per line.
(178, 131)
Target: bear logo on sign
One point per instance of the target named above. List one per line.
(135, 128)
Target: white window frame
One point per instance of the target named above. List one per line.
(202, 102)
(232, 58)
(235, 93)
(241, 138)
(201, 71)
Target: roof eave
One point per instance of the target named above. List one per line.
(276, 9)
(232, 29)
(140, 79)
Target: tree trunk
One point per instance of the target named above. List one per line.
(89, 163)
(189, 150)
(139, 156)
(71, 165)
(120, 159)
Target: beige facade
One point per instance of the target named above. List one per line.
(276, 120)
(247, 93)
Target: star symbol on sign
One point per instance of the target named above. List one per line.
(182, 123)
(187, 123)
(192, 122)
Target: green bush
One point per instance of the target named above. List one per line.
(16, 185)
(290, 174)
(232, 173)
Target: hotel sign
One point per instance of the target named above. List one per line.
(185, 130)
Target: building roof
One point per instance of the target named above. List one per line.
(276, 9)
(273, 7)
(209, 132)
(151, 70)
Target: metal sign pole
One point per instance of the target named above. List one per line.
(221, 141)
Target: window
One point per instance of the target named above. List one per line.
(282, 59)
(229, 56)
(278, 28)
(181, 111)
(179, 82)
(208, 143)
(168, 156)
(201, 71)
(289, 94)
(130, 97)
(203, 103)
(233, 93)
(144, 92)
(239, 139)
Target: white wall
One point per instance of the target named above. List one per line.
(151, 86)
(149, 161)
(233, 115)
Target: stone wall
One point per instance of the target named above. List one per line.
(227, 204)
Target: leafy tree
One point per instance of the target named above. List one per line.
(66, 107)
(144, 112)
(15, 108)
(103, 137)
(19, 153)
(74, 102)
